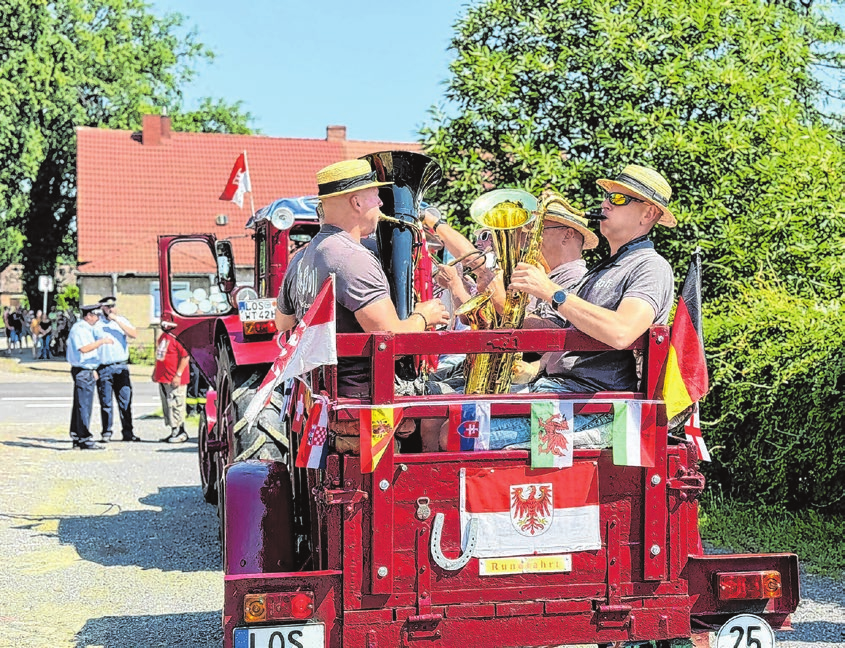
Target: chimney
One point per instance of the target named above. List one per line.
(156, 129)
(335, 133)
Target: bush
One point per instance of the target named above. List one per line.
(777, 372)
(142, 354)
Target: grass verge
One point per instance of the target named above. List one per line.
(751, 527)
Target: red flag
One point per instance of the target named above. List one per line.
(692, 431)
(298, 412)
(313, 445)
(378, 426)
(685, 380)
(238, 183)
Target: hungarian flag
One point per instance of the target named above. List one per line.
(469, 427)
(685, 380)
(521, 512)
(692, 431)
(552, 427)
(313, 446)
(634, 433)
(377, 428)
(238, 183)
(311, 344)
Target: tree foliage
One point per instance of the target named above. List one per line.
(722, 97)
(732, 101)
(71, 63)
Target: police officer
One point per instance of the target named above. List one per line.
(83, 345)
(114, 371)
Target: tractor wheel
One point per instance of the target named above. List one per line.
(207, 461)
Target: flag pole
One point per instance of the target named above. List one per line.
(251, 201)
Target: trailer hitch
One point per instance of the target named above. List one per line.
(688, 482)
(340, 496)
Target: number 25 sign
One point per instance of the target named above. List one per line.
(745, 631)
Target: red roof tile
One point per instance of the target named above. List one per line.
(129, 193)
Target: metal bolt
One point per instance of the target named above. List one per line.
(382, 346)
(403, 467)
(655, 480)
(660, 339)
(384, 484)
(382, 571)
(655, 550)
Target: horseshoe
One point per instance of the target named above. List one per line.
(452, 564)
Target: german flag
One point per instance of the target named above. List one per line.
(685, 380)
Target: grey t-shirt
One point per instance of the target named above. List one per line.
(641, 273)
(566, 275)
(359, 282)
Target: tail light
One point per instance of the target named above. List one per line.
(748, 585)
(278, 606)
(260, 328)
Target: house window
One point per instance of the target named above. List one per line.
(155, 297)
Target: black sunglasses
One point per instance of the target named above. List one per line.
(619, 199)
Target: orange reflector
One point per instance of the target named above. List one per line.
(259, 328)
(278, 606)
(255, 609)
(748, 585)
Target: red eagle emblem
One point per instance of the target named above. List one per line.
(532, 508)
(552, 439)
(381, 430)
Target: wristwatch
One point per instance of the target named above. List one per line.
(558, 298)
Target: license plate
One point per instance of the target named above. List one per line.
(312, 635)
(257, 310)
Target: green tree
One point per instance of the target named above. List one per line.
(724, 98)
(71, 63)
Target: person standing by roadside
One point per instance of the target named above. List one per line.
(84, 342)
(16, 324)
(172, 375)
(35, 333)
(114, 371)
(45, 334)
(7, 327)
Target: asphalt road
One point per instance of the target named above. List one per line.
(111, 548)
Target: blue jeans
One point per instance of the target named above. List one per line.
(114, 381)
(45, 348)
(83, 402)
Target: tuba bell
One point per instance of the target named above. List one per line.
(507, 213)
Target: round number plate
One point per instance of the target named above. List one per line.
(745, 631)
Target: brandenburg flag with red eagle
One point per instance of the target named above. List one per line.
(378, 425)
(521, 512)
(685, 380)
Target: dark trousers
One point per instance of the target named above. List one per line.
(83, 402)
(114, 381)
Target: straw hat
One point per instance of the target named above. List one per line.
(557, 209)
(345, 177)
(646, 184)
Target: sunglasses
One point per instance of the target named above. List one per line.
(619, 199)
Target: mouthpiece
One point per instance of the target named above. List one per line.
(595, 214)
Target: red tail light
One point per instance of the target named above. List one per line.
(278, 606)
(748, 585)
(259, 328)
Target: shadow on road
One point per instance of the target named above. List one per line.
(198, 630)
(182, 536)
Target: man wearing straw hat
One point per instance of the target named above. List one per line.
(618, 299)
(350, 203)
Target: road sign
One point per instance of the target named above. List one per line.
(745, 631)
(45, 283)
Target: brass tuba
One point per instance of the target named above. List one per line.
(506, 213)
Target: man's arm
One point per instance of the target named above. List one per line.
(284, 322)
(180, 369)
(96, 344)
(124, 325)
(381, 316)
(619, 328)
(455, 242)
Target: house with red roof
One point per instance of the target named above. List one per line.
(133, 187)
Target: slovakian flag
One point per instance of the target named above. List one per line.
(521, 512)
(692, 431)
(552, 434)
(378, 426)
(634, 433)
(311, 344)
(685, 380)
(469, 427)
(313, 446)
(238, 183)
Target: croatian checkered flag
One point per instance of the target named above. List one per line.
(312, 344)
(312, 446)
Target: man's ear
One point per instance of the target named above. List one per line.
(653, 214)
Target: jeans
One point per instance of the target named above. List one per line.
(45, 348)
(114, 381)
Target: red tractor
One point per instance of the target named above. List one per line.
(337, 557)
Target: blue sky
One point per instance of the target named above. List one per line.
(375, 66)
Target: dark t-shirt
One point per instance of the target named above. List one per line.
(640, 273)
(359, 282)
